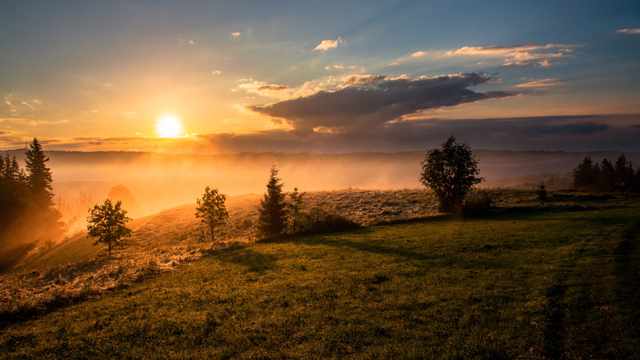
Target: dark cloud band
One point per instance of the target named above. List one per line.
(372, 100)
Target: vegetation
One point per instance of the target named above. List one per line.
(123, 194)
(211, 209)
(542, 192)
(606, 177)
(295, 206)
(107, 223)
(272, 219)
(27, 214)
(450, 172)
(534, 282)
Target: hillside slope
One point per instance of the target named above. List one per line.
(560, 281)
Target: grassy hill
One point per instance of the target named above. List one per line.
(78, 248)
(557, 281)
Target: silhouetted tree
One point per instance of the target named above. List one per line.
(295, 205)
(607, 179)
(450, 172)
(123, 194)
(587, 175)
(624, 170)
(38, 174)
(272, 212)
(211, 209)
(107, 223)
(635, 184)
(542, 192)
(27, 213)
(14, 194)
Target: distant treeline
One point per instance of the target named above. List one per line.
(27, 214)
(606, 176)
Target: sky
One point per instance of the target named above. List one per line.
(332, 76)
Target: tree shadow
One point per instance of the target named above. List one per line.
(254, 261)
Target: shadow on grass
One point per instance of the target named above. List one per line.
(627, 257)
(254, 261)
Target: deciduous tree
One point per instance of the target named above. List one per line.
(295, 205)
(450, 172)
(107, 223)
(211, 209)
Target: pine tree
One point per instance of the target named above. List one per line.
(272, 212)
(607, 176)
(624, 170)
(586, 175)
(39, 175)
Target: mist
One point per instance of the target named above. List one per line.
(158, 181)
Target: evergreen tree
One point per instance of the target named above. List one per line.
(587, 175)
(624, 170)
(635, 184)
(39, 175)
(607, 176)
(211, 209)
(272, 211)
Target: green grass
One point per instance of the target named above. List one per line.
(533, 284)
(75, 249)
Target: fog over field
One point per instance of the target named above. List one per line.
(159, 181)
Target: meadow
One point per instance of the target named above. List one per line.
(519, 280)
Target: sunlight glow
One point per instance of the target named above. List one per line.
(168, 126)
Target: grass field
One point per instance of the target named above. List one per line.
(552, 282)
(75, 249)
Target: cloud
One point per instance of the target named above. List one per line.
(519, 54)
(502, 49)
(273, 88)
(542, 82)
(629, 31)
(568, 133)
(363, 79)
(191, 42)
(418, 54)
(373, 100)
(235, 34)
(328, 44)
(215, 72)
(262, 88)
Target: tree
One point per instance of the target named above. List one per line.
(542, 192)
(624, 170)
(586, 175)
(123, 194)
(39, 175)
(450, 172)
(107, 224)
(211, 209)
(294, 205)
(272, 212)
(607, 176)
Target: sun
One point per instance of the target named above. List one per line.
(168, 126)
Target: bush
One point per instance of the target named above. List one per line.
(478, 201)
(318, 220)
